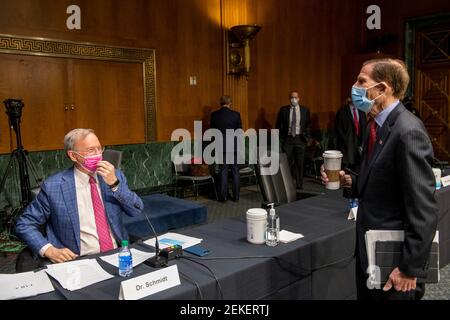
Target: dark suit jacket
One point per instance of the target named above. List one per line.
(283, 123)
(396, 190)
(346, 140)
(224, 119)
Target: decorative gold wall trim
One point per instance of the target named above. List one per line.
(67, 49)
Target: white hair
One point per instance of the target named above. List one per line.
(74, 135)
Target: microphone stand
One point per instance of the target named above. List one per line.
(156, 261)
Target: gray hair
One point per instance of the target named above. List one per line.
(74, 135)
(225, 100)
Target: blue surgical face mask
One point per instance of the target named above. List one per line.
(360, 100)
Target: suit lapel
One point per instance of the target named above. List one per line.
(70, 199)
(382, 138)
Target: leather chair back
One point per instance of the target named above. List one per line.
(114, 157)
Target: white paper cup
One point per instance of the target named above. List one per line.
(332, 161)
(256, 225)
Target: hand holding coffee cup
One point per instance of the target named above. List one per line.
(332, 175)
(345, 179)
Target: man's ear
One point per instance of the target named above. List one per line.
(71, 155)
(384, 87)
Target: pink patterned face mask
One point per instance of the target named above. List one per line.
(90, 162)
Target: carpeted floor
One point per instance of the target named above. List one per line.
(250, 198)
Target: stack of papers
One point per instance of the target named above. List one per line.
(372, 237)
(26, 284)
(170, 239)
(287, 236)
(77, 274)
(138, 257)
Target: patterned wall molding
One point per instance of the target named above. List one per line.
(67, 49)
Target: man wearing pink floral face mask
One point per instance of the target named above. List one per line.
(81, 207)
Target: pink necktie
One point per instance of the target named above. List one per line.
(104, 236)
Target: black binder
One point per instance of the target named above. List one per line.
(389, 253)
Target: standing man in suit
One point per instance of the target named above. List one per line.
(81, 207)
(224, 119)
(396, 184)
(293, 122)
(350, 126)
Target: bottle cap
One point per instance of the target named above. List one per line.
(124, 243)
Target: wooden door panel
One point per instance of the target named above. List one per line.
(109, 98)
(42, 84)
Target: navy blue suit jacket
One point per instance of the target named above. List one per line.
(224, 119)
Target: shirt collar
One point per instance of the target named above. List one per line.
(382, 116)
(83, 177)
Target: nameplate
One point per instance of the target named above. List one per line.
(149, 283)
(445, 181)
(21, 285)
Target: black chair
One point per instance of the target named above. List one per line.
(182, 174)
(26, 262)
(113, 156)
(278, 187)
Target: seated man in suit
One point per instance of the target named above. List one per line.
(81, 207)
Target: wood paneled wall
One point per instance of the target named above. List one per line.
(301, 46)
(394, 14)
(186, 34)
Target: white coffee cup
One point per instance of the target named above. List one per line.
(437, 174)
(256, 225)
(332, 161)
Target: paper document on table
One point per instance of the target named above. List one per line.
(137, 255)
(287, 236)
(78, 274)
(26, 284)
(170, 239)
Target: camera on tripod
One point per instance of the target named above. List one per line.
(18, 161)
(14, 111)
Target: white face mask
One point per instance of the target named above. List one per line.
(294, 101)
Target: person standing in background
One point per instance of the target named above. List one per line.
(224, 119)
(294, 124)
(350, 126)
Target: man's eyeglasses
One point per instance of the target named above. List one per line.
(92, 151)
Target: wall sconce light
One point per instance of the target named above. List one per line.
(238, 48)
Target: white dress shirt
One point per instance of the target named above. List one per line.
(89, 243)
(297, 120)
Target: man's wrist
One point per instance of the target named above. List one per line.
(115, 185)
(44, 249)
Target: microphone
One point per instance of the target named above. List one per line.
(156, 261)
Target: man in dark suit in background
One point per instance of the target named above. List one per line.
(224, 119)
(350, 126)
(396, 184)
(293, 122)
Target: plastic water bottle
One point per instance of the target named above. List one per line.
(125, 260)
(273, 227)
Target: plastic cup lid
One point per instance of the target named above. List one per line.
(333, 154)
(255, 212)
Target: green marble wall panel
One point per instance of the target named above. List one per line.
(144, 165)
